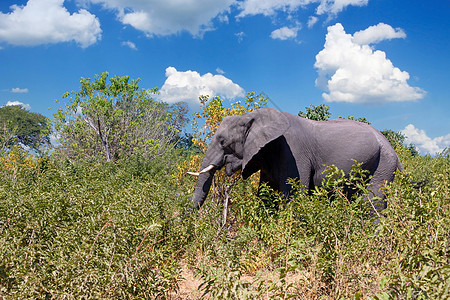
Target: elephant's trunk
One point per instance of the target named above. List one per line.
(201, 190)
(213, 161)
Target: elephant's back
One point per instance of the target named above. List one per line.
(341, 141)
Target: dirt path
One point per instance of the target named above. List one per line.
(188, 288)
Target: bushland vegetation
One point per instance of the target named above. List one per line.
(79, 223)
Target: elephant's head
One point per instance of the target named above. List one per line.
(235, 144)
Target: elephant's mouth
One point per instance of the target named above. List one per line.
(232, 164)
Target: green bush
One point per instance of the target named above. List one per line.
(91, 231)
(127, 230)
(334, 245)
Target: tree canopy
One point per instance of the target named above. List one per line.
(322, 113)
(20, 126)
(115, 118)
(397, 139)
(317, 113)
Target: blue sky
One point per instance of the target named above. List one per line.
(384, 60)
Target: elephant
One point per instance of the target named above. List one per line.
(283, 146)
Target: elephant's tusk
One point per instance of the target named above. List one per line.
(205, 170)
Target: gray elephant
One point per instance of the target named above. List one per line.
(285, 146)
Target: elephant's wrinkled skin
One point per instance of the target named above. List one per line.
(284, 146)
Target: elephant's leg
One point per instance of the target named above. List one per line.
(383, 174)
(376, 198)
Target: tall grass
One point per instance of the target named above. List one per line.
(127, 230)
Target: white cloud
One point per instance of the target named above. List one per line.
(54, 138)
(155, 17)
(130, 45)
(240, 36)
(334, 7)
(223, 18)
(285, 33)
(48, 21)
(270, 7)
(424, 143)
(312, 20)
(377, 33)
(190, 85)
(357, 73)
(12, 103)
(220, 71)
(19, 90)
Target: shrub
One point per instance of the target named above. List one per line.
(90, 231)
(129, 230)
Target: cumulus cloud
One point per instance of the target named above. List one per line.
(354, 72)
(12, 103)
(270, 7)
(155, 17)
(423, 142)
(285, 33)
(19, 90)
(48, 21)
(190, 85)
(377, 33)
(130, 45)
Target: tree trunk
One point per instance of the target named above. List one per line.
(104, 140)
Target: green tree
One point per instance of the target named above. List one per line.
(186, 143)
(115, 118)
(322, 113)
(317, 113)
(362, 119)
(397, 140)
(394, 137)
(20, 126)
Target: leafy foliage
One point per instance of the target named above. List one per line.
(317, 113)
(361, 119)
(394, 137)
(332, 249)
(20, 126)
(89, 231)
(214, 110)
(116, 119)
(397, 140)
(322, 113)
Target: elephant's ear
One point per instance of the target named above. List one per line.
(264, 125)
